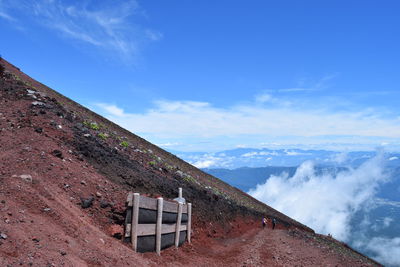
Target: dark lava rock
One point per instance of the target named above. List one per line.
(57, 153)
(70, 117)
(39, 130)
(87, 202)
(104, 204)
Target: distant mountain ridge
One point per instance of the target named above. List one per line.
(246, 178)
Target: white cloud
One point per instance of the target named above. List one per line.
(106, 24)
(3, 12)
(111, 109)
(210, 160)
(295, 153)
(168, 144)
(393, 158)
(381, 201)
(339, 157)
(314, 85)
(387, 250)
(264, 98)
(261, 153)
(380, 224)
(325, 202)
(6, 16)
(204, 163)
(201, 120)
(387, 221)
(153, 35)
(249, 154)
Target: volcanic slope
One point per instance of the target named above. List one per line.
(64, 176)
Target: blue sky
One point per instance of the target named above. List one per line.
(213, 75)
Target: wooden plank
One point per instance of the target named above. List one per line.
(159, 224)
(128, 229)
(184, 208)
(148, 203)
(135, 219)
(168, 206)
(189, 223)
(129, 199)
(150, 229)
(171, 206)
(178, 223)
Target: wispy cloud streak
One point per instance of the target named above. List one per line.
(106, 24)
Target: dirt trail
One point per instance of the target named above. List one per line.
(284, 248)
(263, 247)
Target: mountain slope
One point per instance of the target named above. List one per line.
(57, 156)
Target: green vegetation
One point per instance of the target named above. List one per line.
(152, 163)
(157, 158)
(189, 179)
(103, 136)
(91, 125)
(169, 167)
(124, 144)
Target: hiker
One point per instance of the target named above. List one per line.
(273, 223)
(264, 222)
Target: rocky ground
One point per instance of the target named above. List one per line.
(64, 176)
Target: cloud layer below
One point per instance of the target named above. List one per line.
(328, 202)
(325, 202)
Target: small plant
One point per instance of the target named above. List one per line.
(103, 136)
(157, 158)
(91, 125)
(152, 163)
(169, 167)
(124, 144)
(189, 179)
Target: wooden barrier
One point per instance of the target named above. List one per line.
(140, 206)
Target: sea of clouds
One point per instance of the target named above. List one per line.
(327, 202)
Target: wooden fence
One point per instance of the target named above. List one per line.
(152, 224)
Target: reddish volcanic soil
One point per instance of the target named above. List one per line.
(64, 181)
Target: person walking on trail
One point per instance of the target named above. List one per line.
(273, 223)
(264, 222)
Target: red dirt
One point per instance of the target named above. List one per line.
(48, 167)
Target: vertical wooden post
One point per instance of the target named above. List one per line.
(135, 219)
(128, 223)
(180, 192)
(189, 223)
(178, 223)
(159, 224)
